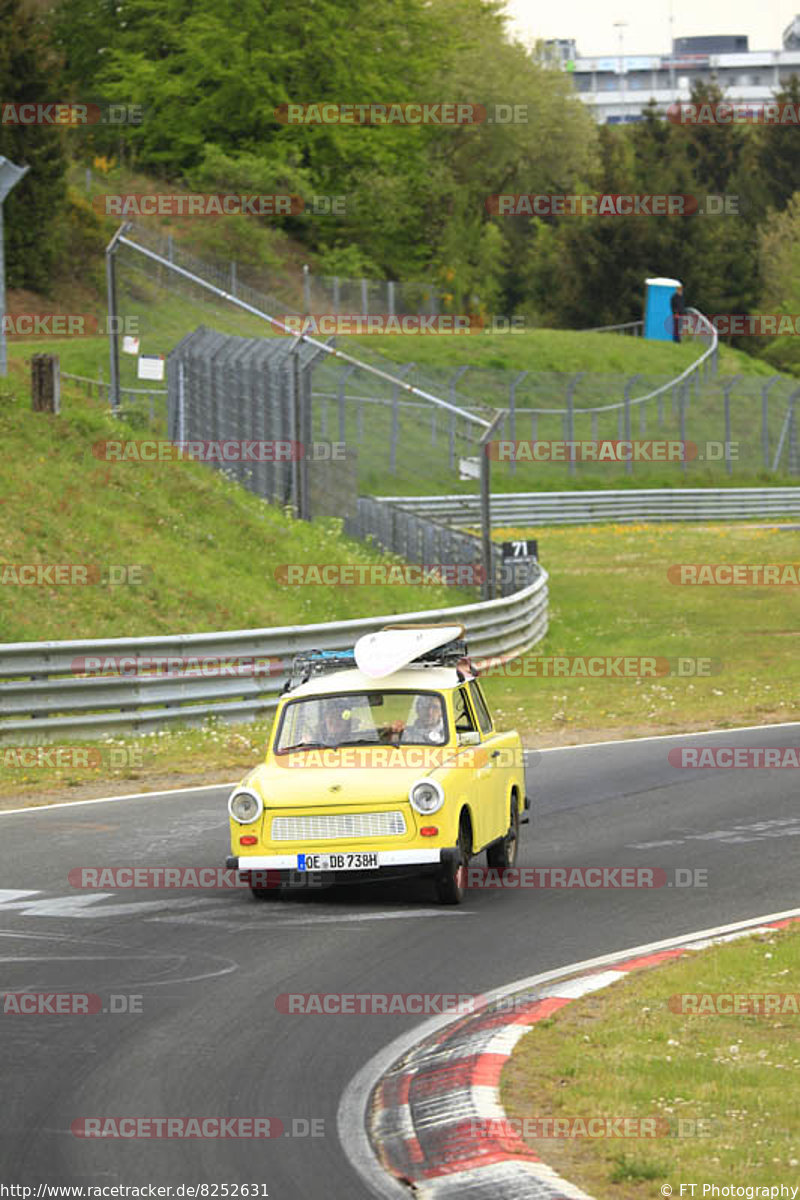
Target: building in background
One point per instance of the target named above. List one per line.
(618, 87)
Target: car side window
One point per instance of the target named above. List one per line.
(465, 722)
(479, 704)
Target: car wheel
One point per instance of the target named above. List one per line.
(504, 855)
(451, 887)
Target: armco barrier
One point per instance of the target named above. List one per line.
(527, 509)
(42, 697)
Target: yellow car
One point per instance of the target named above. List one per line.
(368, 779)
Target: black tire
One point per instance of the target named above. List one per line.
(451, 887)
(503, 855)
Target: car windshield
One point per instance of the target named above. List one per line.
(362, 718)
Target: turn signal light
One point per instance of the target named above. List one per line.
(248, 840)
(429, 830)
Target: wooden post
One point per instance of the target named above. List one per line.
(46, 383)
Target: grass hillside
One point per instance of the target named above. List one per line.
(208, 547)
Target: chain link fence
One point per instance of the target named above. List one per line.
(415, 427)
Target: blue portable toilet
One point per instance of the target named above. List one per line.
(657, 312)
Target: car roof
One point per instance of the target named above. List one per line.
(435, 679)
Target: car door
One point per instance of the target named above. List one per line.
(498, 776)
(481, 771)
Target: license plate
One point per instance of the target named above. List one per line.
(341, 861)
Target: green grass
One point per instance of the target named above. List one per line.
(210, 548)
(624, 1052)
(609, 595)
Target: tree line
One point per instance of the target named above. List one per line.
(211, 77)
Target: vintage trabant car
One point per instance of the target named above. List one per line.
(391, 773)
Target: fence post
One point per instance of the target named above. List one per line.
(512, 415)
(336, 294)
(793, 468)
(452, 424)
(390, 296)
(401, 372)
(306, 289)
(364, 298)
(728, 385)
(233, 278)
(627, 397)
(45, 383)
(348, 371)
(682, 402)
(765, 417)
(113, 324)
(570, 416)
(486, 516)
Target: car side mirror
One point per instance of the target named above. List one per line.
(470, 737)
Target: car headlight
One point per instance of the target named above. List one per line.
(426, 796)
(245, 806)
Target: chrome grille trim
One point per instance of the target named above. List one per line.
(329, 826)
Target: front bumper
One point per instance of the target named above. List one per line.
(282, 868)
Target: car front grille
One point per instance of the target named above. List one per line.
(329, 826)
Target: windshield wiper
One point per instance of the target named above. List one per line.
(359, 742)
(305, 746)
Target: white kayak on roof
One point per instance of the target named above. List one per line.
(391, 649)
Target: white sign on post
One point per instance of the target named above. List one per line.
(130, 345)
(151, 366)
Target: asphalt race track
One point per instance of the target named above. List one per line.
(208, 965)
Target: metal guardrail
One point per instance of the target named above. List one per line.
(42, 696)
(526, 509)
(636, 326)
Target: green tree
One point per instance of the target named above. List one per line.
(35, 208)
(778, 151)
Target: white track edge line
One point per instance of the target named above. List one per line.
(352, 1112)
(56, 807)
(654, 737)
